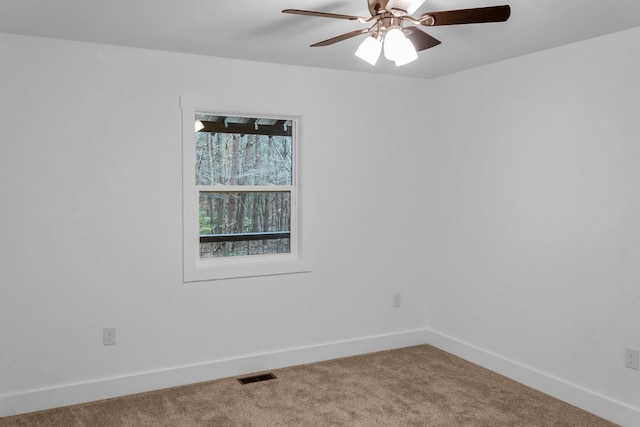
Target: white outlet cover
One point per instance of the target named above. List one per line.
(632, 358)
(396, 300)
(108, 336)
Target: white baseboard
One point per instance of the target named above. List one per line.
(602, 406)
(97, 389)
(71, 394)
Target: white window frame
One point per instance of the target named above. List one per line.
(198, 269)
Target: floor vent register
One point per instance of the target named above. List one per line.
(257, 378)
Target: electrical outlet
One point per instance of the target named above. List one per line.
(631, 358)
(108, 336)
(396, 300)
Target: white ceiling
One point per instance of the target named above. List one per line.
(257, 30)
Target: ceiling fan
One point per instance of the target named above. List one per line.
(401, 43)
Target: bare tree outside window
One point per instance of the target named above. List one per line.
(244, 176)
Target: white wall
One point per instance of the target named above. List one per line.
(522, 177)
(536, 214)
(90, 184)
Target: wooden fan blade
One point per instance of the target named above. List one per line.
(341, 37)
(421, 40)
(467, 16)
(323, 14)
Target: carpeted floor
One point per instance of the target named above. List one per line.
(413, 386)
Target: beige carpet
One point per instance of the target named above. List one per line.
(414, 386)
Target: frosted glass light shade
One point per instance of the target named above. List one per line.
(369, 50)
(406, 54)
(393, 43)
(198, 125)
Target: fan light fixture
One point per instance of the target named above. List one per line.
(393, 42)
(370, 49)
(406, 53)
(396, 46)
(389, 35)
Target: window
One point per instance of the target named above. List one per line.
(241, 202)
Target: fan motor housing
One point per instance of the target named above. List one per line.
(377, 5)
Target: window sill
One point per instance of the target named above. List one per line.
(244, 267)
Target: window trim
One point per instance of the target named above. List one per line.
(197, 269)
